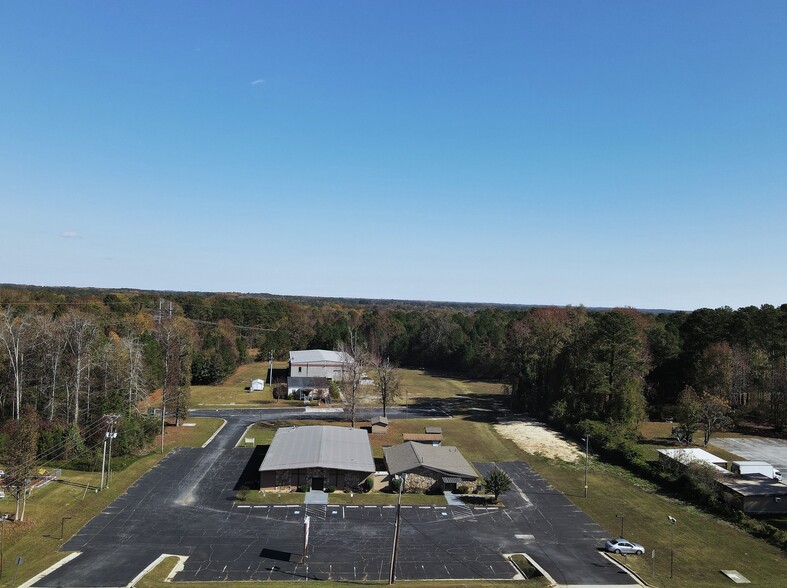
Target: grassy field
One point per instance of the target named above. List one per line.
(38, 540)
(233, 390)
(703, 545)
(421, 384)
(476, 439)
(418, 384)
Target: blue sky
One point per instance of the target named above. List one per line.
(606, 154)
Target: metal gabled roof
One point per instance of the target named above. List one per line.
(339, 448)
(319, 356)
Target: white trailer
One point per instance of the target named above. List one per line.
(746, 468)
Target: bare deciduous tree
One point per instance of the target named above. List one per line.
(81, 334)
(176, 337)
(20, 454)
(134, 369)
(356, 362)
(386, 380)
(53, 344)
(17, 334)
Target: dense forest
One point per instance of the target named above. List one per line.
(71, 356)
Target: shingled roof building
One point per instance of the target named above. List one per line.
(316, 457)
(428, 467)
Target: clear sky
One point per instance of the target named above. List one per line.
(599, 153)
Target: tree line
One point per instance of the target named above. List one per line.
(74, 355)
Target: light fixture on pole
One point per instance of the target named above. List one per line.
(672, 521)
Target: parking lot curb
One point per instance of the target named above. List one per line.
(176, 568)
(50, 569)
(532, 563)
(212, 437)
(641, 581)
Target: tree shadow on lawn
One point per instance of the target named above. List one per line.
(482, 408)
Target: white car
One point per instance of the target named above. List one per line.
(621, 545)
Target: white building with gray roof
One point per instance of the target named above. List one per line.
(316, 457)
(318, 363)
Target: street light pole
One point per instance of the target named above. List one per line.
(672, 521)
(587, 448)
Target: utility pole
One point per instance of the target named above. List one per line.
(112, 435)
(108, 436)
(103, 461)
(306, 522)
(270, 372)
(397, 524)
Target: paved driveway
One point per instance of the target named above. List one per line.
(774, 451)
(185, 506)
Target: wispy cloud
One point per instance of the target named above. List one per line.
(258, 82)
(71, 235)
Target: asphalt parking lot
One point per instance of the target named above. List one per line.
(185, 506)
(774, 451)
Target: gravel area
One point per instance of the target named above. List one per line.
(536, 437)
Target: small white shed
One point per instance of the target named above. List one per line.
(257, 385)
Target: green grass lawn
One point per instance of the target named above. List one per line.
(421, 384)
(475, 439)
(233, 390)
(37, 539)
(703, 544)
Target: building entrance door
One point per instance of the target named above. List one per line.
(318, 483)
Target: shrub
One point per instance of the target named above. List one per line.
(368, 484)
(303, 488)
(330, 489)
(279, 391)
(395, 483)
(462, 490)
(497, 482)
(242, 493)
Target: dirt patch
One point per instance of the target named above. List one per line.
(536, 437)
